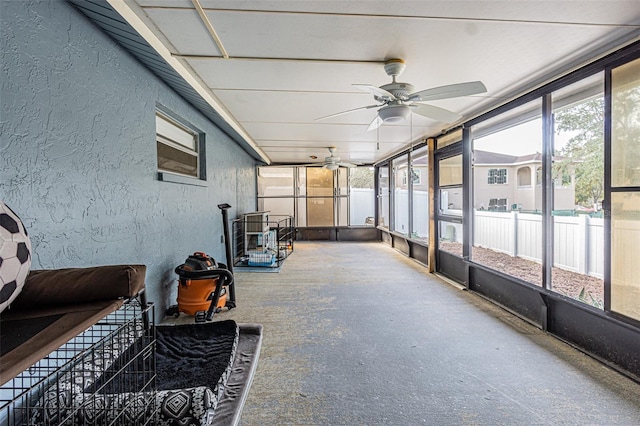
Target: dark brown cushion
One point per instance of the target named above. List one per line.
(80, 285)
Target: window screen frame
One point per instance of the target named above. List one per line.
(198, 150)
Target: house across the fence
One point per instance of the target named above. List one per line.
(508, 182)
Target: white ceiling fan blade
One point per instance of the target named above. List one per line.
(348, 165)
(375, 91)
(377, 122)
(346, 112)
(286, 165)
(449, 91)
(435, 113)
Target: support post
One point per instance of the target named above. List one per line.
(231, 301)
(432, 203)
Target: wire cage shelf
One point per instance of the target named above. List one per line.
(106, 375)
(262, 240)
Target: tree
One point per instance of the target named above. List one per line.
(625, 129)
(584, 152)
(361, 177)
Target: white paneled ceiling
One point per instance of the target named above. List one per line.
(288, 63)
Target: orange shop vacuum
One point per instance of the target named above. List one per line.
(202, 287)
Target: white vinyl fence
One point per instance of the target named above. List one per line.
(401, 212)
(420, 212)
(362, 206)
(578, 241)
(625, 262)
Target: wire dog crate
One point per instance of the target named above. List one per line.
(104, 376)
(262, 240)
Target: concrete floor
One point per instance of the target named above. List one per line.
(358, 334)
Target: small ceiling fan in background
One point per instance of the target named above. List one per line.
(398, 100)
(332, 162)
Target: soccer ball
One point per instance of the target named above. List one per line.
(15, 255)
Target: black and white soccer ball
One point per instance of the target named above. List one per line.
(15, 255)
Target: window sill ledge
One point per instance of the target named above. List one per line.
(184, 180)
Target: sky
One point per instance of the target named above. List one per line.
(518, 140)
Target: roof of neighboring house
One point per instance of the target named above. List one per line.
(486, 157)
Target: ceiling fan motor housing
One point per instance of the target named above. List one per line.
(399, 90)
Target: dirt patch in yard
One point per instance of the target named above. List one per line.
(578, 286)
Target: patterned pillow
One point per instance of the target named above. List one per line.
(191, 406)
(68, 406)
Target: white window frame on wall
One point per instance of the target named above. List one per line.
(499, 202)
(173, 133)
(497, 177)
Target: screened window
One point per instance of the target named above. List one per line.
(276, 190)
(178, 148)
(401, 195)
(450, 199)
(497, 176)
(625, 187)
(503, 239)
(383, 196)
(317, 196)
(420, 194)
(320, 200)
(362, 196)
(578, 227)
(450, 171)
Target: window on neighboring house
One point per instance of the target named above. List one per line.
(539, 176)
(180, 149)
(497, 176)
(498, 205)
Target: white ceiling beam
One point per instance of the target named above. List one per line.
(127, 12)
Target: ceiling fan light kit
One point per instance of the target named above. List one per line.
(394, 113)
(332, 166)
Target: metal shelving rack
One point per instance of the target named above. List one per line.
(262, 240)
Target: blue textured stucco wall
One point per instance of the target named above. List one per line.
(78, 152)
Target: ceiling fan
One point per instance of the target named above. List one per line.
(332, 162)
(398, 100)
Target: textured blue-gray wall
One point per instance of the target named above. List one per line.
(78, 152)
